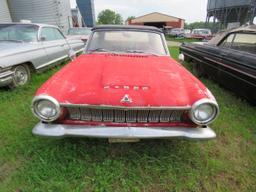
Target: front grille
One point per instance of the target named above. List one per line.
(126, 115)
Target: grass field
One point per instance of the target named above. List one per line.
(180, 40)
(28, 163)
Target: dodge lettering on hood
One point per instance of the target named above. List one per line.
(125, 87)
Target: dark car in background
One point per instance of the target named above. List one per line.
(229, 59)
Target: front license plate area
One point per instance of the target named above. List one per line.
(119, 140)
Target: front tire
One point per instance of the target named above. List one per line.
(21, 76)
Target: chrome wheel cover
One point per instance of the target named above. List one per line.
(21, 75)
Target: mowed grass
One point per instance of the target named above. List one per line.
(28, 163)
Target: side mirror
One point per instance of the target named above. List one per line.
(42, 39)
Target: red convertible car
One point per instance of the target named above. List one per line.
(125, 87)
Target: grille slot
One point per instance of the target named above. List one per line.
(125, 115)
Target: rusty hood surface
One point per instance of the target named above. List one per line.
(105, 79)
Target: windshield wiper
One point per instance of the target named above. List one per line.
(141, 51)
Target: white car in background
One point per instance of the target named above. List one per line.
(177, 32)
(79, 33)
(187, 33)
(27, 47)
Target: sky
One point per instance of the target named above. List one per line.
(190, 10)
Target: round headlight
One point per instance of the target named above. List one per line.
(46, 108)
(204, 112)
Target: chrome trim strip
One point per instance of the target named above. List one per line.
(79, 50)
(5, 81)
(193, 57)
(51, 62)
(125, 107)
(63, 130)
(6, 74)
(230, 67)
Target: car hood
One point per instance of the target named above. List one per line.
(104, 79)
(8, 48)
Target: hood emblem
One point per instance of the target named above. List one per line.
(126, 99)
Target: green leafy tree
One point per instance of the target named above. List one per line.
(118, 19)
(108, 16)
(130, 18)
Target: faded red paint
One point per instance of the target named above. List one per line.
(198, 36)
(103, 79)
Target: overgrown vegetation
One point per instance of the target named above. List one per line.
(28, 163)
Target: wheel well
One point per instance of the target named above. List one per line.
(30, 66)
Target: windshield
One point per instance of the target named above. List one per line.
(127, 41)
(18, 32)
(79, 31)
(204, 32)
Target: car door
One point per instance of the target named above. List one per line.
(54, 43)
(238, 67)
(213, 57)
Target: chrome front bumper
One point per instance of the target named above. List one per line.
(6, 78)
(61, 130)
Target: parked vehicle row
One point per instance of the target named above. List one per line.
(27, 48)
(229, 59)
(201, 34)
(125, 88)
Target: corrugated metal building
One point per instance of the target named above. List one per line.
(86, 8)
(158, 20)
(54, 12)
(5, 16)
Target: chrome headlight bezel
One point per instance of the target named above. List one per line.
(50, 99)
(199, 103)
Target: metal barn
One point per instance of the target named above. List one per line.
(5, 16)
(54, 12)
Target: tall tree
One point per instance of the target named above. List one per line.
(118, 19)
(108, 16)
